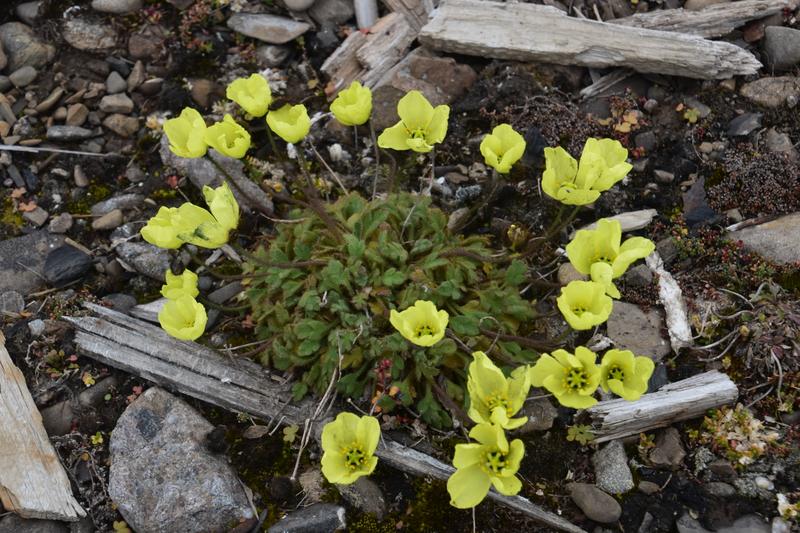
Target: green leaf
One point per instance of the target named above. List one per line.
(332, 276)
(422, 245)
(311, 329)
(465, 324)
(393, 277)
(299, 390)
(302, 251)
(355, 246)
(442, 348)
(309, 301)
(515, 273)
(431, 412)
(448, 290)
(308, 347)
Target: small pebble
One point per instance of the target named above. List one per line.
(110, 220)
(36, 327)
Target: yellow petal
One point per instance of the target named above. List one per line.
(290, 123)
(183, 318)
(223, 205)
(186, 134)
(252, 94)
(467, 455)
(486, 377)
(468, 487)
(395, 137)
(228, 138)
(437, 127)
(368, 433)
(545, 366)
(418, 144)
(352, 106)
(333, 467)
(508, 486)
(180, 285)
(162, 230)
(573, 196)
(516, 450)
(602, 273)
(415, 111)
(631, 250)
(560, 167)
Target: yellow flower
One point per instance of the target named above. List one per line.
(183, 318)
(420, 127)
(178, 285)
(421, 324)
(493, 397)
(228, 138)
(199, 227)
(502, 148)
(252, 94)
(353, 105)
(490, 461)
(161, 230)
(223, 205)
(290, 123)
(186, 134)
(572, 379)
(584, 304)
(625, 374)
(590, 249)
(602, 165)
(349, 444)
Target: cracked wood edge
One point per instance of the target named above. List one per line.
(33, 482)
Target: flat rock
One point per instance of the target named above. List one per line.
(115, 83)
(669, 451)
(687, 524)
(22, 260)
(64, 264)
(747, 524)
(23, 76)
(364, 495)
(16, 524)
(332, 13)
(147, 44)
(144, 258)
(772, 92)
(76, 115)
(122, 125)
(268, 28)
(630, 221)
(122, 201)
(720, 489)
(3, 57)
(11, 302)
(88, 35)
(23, 48)
(632, 329)
(110, 220)
(777, 240)
(272, 55)
(611, 470)
(781, 47)
(541, 413)
(116, 103)
(28, 12)
(595, 504)
(117, 7)
(68, 133)
(37, 217)
(744, 124)
(164, 478)
(317, 518)
(778, 142)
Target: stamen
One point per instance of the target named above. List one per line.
(616, 372)
(494, 462)
(575, 378)
(354, 457)
(423, 330)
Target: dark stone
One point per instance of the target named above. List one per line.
(744, 124)
(119, 302)
(64, 264)
(16, 524)
(317, 518)
(646, 140)
(22, 259)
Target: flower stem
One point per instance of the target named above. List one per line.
(232, 182)
(433, 172)
(355, 137)
(325, 164)
(302, 163)
(274, 146)
(377, 157)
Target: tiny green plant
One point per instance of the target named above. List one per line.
(580, 433)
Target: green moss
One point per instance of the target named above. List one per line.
(10, 217)
(163, 194)
(94, 193)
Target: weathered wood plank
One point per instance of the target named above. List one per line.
(415, 11)
(528, 32)
(682, 400)
(713, 21)
(32, 481)
(144, 350)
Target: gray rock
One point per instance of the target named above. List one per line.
(747, 524)
(595, 504)
(64, 264)
(117, 7)
(37, 217)
(108, 221)
(95, 395)
(781, 47)
(364, 495)
(639, 276)
(772, 92)
(541, 413)
(123, 201)
(89, 35)
(163, 477)
(697, 5)
(332, 13)
(225, 293)
(57, 419)
(317, 518)
(648, 487)
(23, 76)
(780, 143)
(136, 77)
(120, 302)
(668, 452)
(3, 57)
(76, 115)
(611, 469)
(147, 44)
(777, 240)
(5, 83)
(702, 109)
(687, 524)
(68, 133)
(201, 171)
(298, 5)
(22, 260)
(60, 223)
(181, 4)
(567, 273)
(646, 140)
(779, 525)
(11, 302)
(268, 28)
(632, 329)
(37, 327)
(723, 470)
(122, 125)
(79, 176)
(744, 124)
(134, 174)
(23, 47)
(144, 258)
(720, 489)
(16, 524)
(115, 83)
(28, 12)
(272, 55)
(116, 103)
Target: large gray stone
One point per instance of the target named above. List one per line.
(116, 103)
(317, 518)
(88, 35)
(68, 133)
(16, 524)
(122, 201)
(364, 495)
(117, 7)
(611, 470)
(772, 92)
(332, 13)
(668, 452)
(163, 478)
(268, 28)
(777, 240)
(144, 258)
(22, 261)
(595, 504)
(28, 12)
(23, 47)
(747, 524)
(11, 302)
(541, 413)
(640, 332)
(781, 47)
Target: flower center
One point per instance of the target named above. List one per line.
(579, 310)
(616, 372)
(575, 378)
(418, 133)
(497, 399)
(494, 462)
(603, 259)
(423, 329)
(354, 457)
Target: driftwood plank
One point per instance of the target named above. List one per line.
(144, 350)
(529, 32)
(682, 400)
(415, 11)
(32, 481)
(713, 21)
